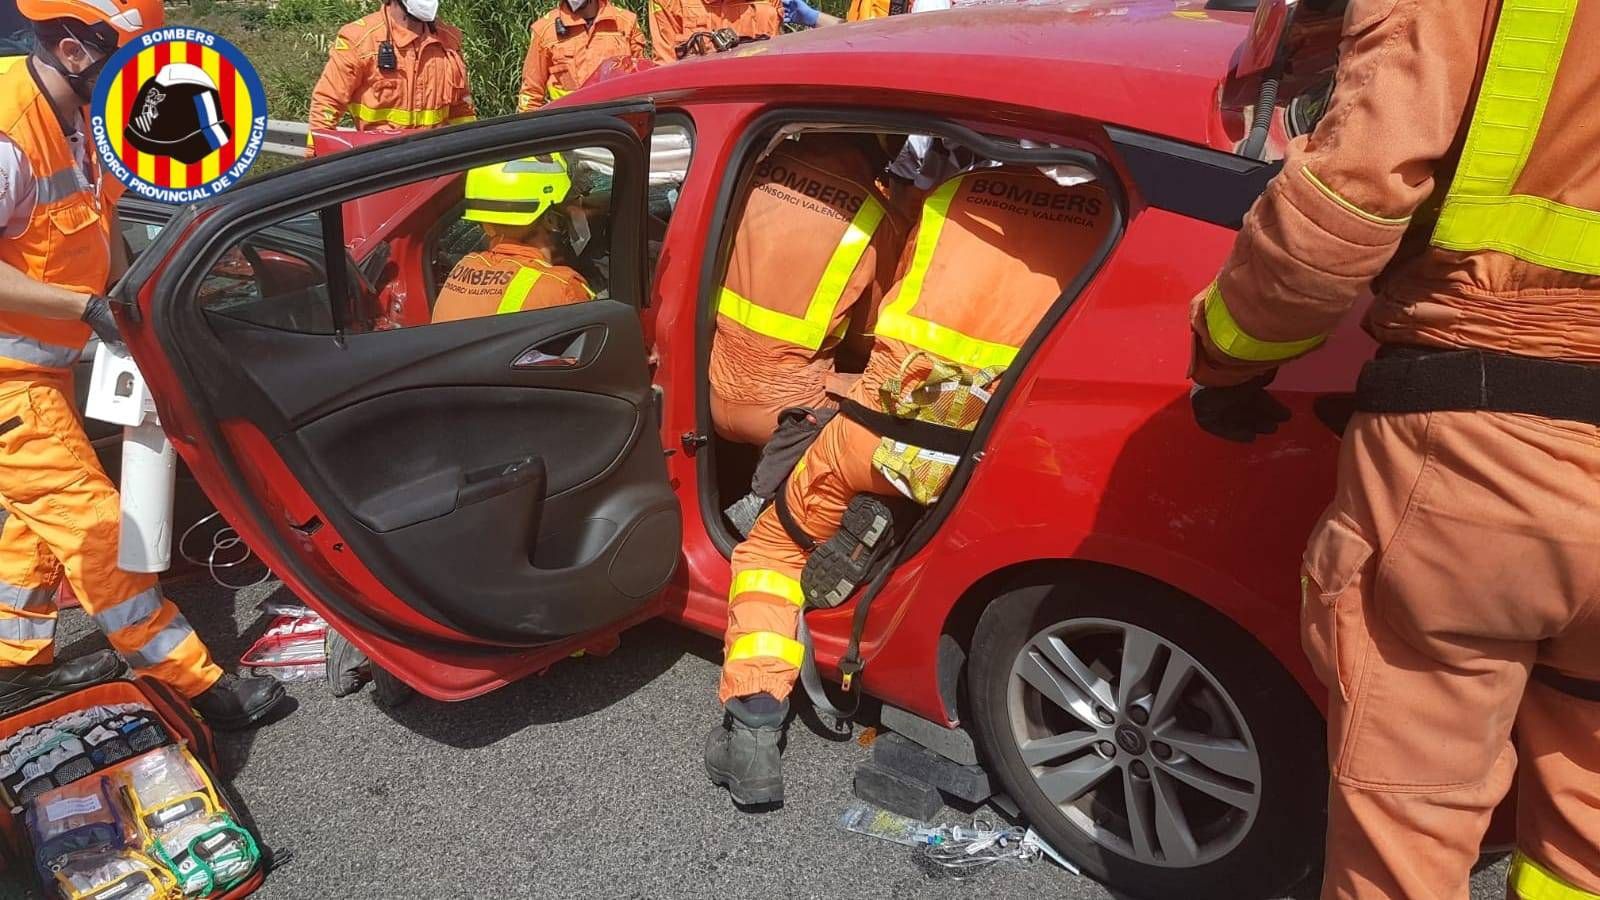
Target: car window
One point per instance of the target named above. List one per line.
(517, 234)
(670, 149)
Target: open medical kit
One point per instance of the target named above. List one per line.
(110, 792)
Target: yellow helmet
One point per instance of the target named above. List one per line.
(516, 192)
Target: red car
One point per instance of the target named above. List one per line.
(1106, 598)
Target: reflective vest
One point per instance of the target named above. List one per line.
(507, 278)
(812, 198)
(1483, 209)
(994, 250)
(68, 239)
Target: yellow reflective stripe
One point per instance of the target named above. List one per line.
(1333, 195)
(810, 332)
(1232, 340)
(1528, 880)
(552, 92)
(1530, 228)
(897, 322)
(769, 644)
(766, 581)
(1523, 59)
(1480, 211)
(517, 291)
(397, 116)
(459, 119)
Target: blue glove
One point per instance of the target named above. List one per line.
(798, 12)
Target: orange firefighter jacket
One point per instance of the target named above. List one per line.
(68, 239)
(507, 278)
(564, 50)
(809, 249)
(1475, 221)
(427, 88)
(673, 21)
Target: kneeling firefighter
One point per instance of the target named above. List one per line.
(59, 514)
(993, 251)
(1450, 597)
(518, 204)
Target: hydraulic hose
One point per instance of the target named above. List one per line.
(1266, 102)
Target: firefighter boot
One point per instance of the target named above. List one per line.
(743, 753)
(237, 704)
(20, 685)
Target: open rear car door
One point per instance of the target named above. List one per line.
(465, 500)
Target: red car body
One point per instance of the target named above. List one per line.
(1094, 462)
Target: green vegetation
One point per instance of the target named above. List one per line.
(288, 41)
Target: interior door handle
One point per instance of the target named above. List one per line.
(492, 481)
(564, 352)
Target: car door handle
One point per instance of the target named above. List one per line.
(492, 481)
(564, 352)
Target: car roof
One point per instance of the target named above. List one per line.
(1150, 65)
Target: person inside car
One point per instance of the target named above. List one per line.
(942, 342)
(517, 203)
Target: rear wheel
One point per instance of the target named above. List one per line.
(1149, 739)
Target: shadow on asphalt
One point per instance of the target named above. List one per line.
(565, 692)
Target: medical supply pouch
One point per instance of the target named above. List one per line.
(207, 853)
(149, 763)
(948, 395)
(113, 875)
(82, 816)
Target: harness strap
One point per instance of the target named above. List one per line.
(791, 525)
(928, 435)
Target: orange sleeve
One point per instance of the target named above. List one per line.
(1329, 223)
(337, 87)
(535, 74)
(666, 29)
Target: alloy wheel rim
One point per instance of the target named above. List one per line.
(1134, 742)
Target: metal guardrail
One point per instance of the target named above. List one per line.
(286, 138)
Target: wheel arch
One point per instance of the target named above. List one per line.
(961, 620)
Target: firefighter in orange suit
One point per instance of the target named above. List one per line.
(808, 249)
(941, 342)
(59, 514)
(515, 202)
(393, 70)
(568, 44)
(673, 22)
(1449, 595)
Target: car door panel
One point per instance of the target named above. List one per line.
(409, 430)
(473, 487)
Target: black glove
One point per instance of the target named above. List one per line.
(1238, 412)
(97, 312)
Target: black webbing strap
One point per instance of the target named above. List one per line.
(899, 7)
(791, 525)
(1413, 380)
(1571, 685)
(939, 438)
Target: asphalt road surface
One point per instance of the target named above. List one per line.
(583, 782)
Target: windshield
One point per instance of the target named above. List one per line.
(16, 36)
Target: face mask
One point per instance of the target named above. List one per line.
(422, 10)
(83, 82)
(576, 5)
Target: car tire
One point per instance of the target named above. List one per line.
(1231, 703)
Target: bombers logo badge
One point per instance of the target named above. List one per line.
(179, 115)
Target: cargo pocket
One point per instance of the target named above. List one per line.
(1331, 603)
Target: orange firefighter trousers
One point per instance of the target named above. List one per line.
(836, 467)
(61, 512)
(1461, 550)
